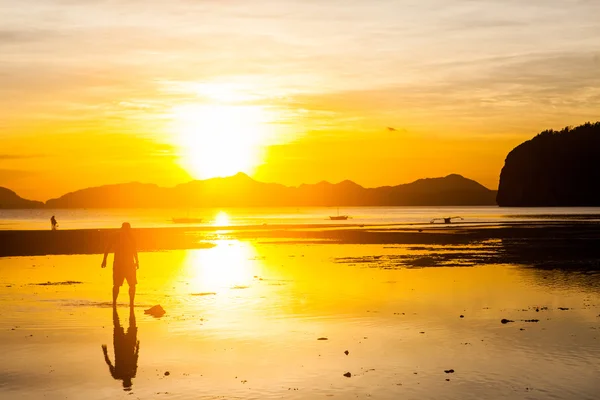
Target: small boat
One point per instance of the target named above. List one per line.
(447, 220)
(338, 217)
(187, 220)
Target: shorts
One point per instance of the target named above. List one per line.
(121, 274)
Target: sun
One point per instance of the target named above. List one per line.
(220, 139)
(221, 219)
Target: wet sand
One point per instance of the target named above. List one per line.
(552, 244)
(245, 314)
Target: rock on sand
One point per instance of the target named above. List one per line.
(156, 311)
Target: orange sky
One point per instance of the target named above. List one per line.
(96, 92)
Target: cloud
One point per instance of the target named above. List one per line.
(20, 37)
(19, 156)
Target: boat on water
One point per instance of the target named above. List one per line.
(447, 220)
(187, 220)
(338, 217)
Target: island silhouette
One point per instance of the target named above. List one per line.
(11, 200)
(554, 169)
(242, 191)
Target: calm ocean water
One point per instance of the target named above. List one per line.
(111, 218)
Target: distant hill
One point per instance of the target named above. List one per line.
(554, 169)
(9, 199)
(242, 191)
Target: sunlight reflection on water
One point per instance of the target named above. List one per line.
(243, 321)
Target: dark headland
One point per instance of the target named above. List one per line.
(554, 169)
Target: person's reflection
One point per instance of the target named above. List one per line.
(127, 349)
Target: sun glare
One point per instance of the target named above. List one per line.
(224, 266)
(220, 140)
(221, 219)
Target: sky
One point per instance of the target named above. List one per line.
(380, 92)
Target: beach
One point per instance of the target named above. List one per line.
(451, 312)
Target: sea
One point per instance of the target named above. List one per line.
(259, 320)
(162, 218)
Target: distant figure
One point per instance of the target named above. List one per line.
(53, 223)
(127, 350)
(125, 264)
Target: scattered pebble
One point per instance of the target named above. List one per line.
(449, 371)
(346, 352)
(563, 308)
(322, 338)
(348, 375)
(506, 321)
(531, 320)
(462, 316)
(167, 373)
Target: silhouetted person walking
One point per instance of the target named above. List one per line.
(127, 350)
(54, 223)
(125, 264)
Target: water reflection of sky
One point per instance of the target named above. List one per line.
(243, 319)
(144, 218)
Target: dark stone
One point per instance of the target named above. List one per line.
(506, 321)
(346, 352)
(156, 311)
(449, 371)
(348, 375)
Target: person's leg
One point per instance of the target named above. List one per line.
(115, 295)
(131, 295)
(118, 279)
(131, 278)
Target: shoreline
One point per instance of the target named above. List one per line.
(575, 243)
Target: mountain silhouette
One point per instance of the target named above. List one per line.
(9, 199)
(242, 191)
(555, 168)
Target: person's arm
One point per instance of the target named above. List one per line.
(106, 251)
(111, 368)
(135, 255)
